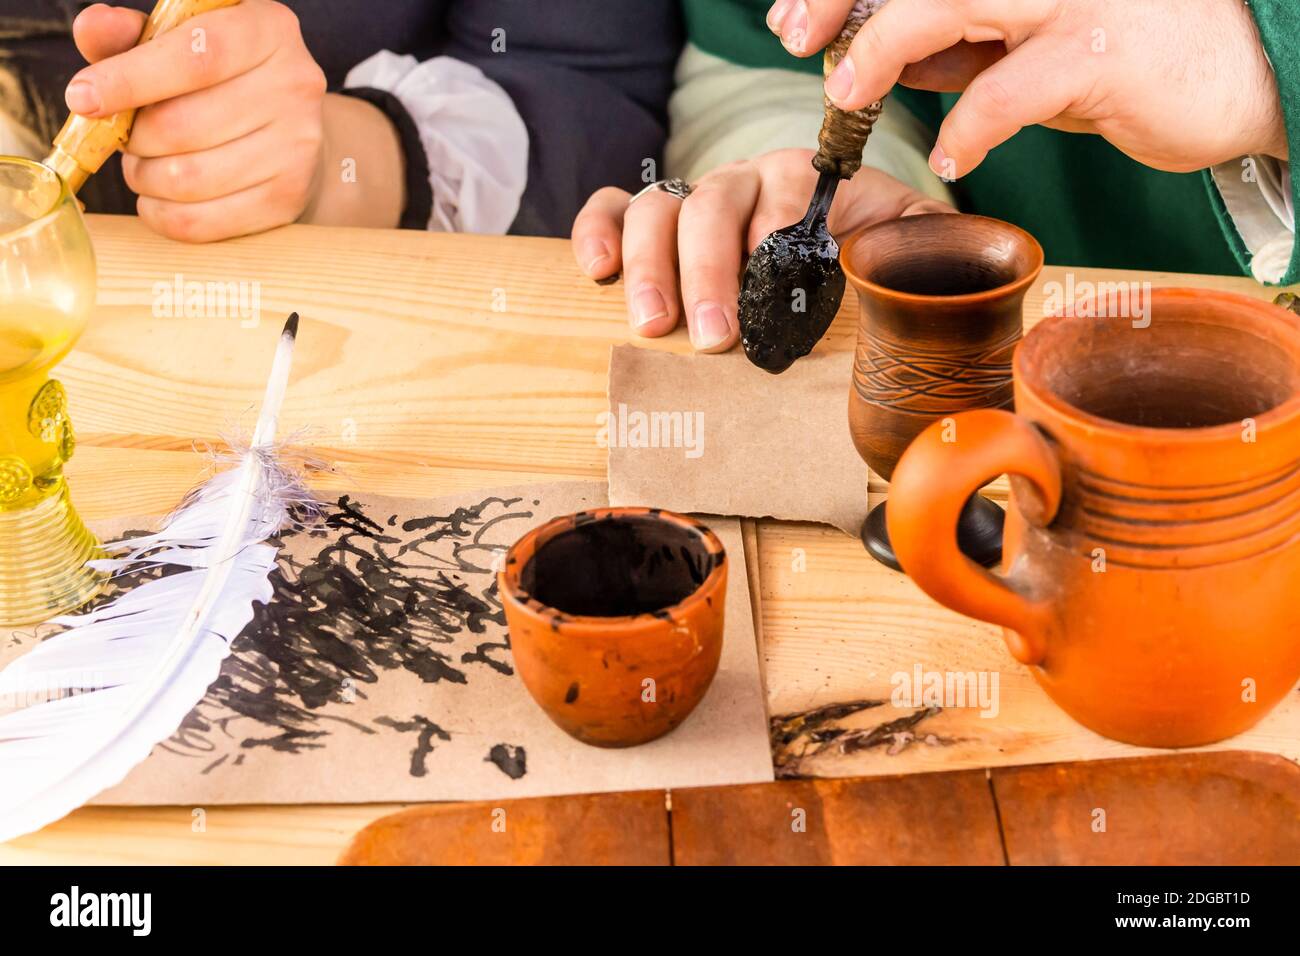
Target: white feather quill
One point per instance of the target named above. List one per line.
(138, 665)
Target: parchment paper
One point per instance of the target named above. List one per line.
(382, 672)
(714, 434)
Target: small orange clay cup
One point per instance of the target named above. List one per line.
(1152, 548)
(616, 620)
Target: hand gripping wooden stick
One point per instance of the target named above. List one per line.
(84, 144)
(844, 135)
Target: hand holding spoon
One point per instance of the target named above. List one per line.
(793, 282)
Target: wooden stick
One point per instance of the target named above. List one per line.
(844, 135)
(84, 144)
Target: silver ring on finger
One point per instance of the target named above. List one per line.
(673, 187)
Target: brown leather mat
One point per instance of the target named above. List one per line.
(1203, 808)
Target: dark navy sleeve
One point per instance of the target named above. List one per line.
(591, 80)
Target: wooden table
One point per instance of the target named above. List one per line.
(431, 363)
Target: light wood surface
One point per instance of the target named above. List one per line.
(429, 364)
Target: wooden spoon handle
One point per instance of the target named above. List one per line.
(844, 135)
(84, 144)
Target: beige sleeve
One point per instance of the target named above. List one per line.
(721, 112)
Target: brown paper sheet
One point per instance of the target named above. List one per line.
(382, 672)
(714, 434)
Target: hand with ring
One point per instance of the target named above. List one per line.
(685, 256)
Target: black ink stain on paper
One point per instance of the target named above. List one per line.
(374, 595)
(426, 730)
(511, 761)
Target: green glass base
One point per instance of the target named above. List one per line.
(43, 555)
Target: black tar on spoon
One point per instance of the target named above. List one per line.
(793, 282)
(793, 286)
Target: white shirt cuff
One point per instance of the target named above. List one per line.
(1256, 191)
(473, 137)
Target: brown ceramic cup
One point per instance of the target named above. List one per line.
(616, 619)
(939, 315)
(1153, 538)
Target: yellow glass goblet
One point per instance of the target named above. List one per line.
(47, 292)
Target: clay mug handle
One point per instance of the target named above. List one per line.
(946, 464)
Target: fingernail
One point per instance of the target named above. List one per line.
(711, 327)
(82, 97)
(594, 252)
(647, 305)
(840, 83)
(794, 28)
(941, 165)
(777, 14)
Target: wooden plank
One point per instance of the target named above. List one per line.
(195, 836)
(839, 628)
(942, 818)
(604, 829)
(749, 537)
(480, 353)
(1174, 810)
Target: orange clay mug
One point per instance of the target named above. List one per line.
(1152, 548)
(616, 619)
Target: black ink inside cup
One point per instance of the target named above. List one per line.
(940, 274)
(619, 566)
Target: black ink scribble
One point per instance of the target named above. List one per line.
(511, 761)
(378, 596)
(425, 730)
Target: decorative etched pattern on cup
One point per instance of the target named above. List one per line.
(933, 382)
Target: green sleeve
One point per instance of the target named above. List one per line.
(1279, 26)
